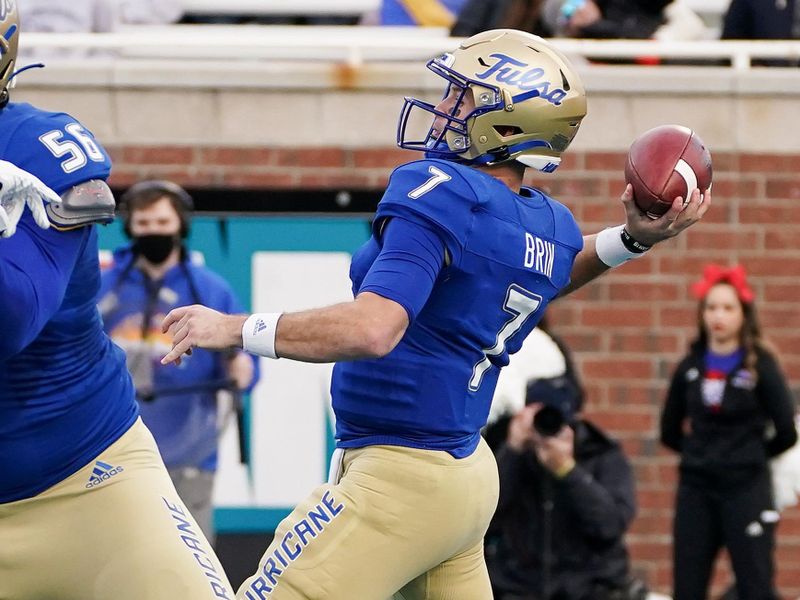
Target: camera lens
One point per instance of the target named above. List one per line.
(548, 421)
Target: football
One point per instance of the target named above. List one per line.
(666, 162)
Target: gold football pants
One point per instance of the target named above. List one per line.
(398, 521)
(114, 530)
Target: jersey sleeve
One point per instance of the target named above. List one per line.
(434, 194)
(407, 266)
(35, 270)
(675, 409)
(58, 150)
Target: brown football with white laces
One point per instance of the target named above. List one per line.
(664, 163)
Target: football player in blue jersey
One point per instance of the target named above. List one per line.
(462, 262)
(87, 509)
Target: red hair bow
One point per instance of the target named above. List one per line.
(735, 276)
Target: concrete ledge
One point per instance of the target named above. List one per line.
(312, 104)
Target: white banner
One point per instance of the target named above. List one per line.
(291, 403)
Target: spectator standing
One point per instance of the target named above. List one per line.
(628, 19)
(566, 499)
(634, 19)
(724, 396)
(762, 20)
(480, 15)
(148, 278)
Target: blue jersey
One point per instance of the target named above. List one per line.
(65, 394)
(182, 414)
(507, 256)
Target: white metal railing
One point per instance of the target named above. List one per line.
(357, 45)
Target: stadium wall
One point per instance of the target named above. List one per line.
(628, 329)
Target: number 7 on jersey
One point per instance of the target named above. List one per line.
(521, 304)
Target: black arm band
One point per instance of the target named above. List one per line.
(631, 244)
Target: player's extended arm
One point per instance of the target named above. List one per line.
(368, 327)
(595, 259)
(33, 279)
(35, 270)
(392, 293)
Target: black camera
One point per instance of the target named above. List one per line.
(549, 421)
(560, 399)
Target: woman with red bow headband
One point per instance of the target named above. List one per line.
(725, 395)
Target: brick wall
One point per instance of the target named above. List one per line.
(629, 328)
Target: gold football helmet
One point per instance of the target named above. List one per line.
(9, 38)
(528, 103)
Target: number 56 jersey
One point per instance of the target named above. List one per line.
(507, 255)
(65, 394)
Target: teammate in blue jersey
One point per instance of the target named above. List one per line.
(462, 262)
(87, 509)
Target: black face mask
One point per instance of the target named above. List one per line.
(154, 248)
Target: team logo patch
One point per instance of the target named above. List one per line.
(713, 391)
(102, 472)
(743, 379)
(259, 326)
(511, 71)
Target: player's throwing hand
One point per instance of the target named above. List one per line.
(681, 215)
(18, 188)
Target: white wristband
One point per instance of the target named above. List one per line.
(258, 334)
(611, 249)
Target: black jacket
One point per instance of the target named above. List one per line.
(761, 19)
(578, 521)
(628, 19)
(729, 444)
(482, 15)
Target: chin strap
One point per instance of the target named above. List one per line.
(26, 68)
(4, 95)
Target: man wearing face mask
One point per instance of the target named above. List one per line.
(148, 278)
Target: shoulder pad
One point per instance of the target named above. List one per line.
(84, 204)
(567, 230)
(434, 193)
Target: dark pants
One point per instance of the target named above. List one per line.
(741, 519)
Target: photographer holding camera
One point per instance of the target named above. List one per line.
(566, 500)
